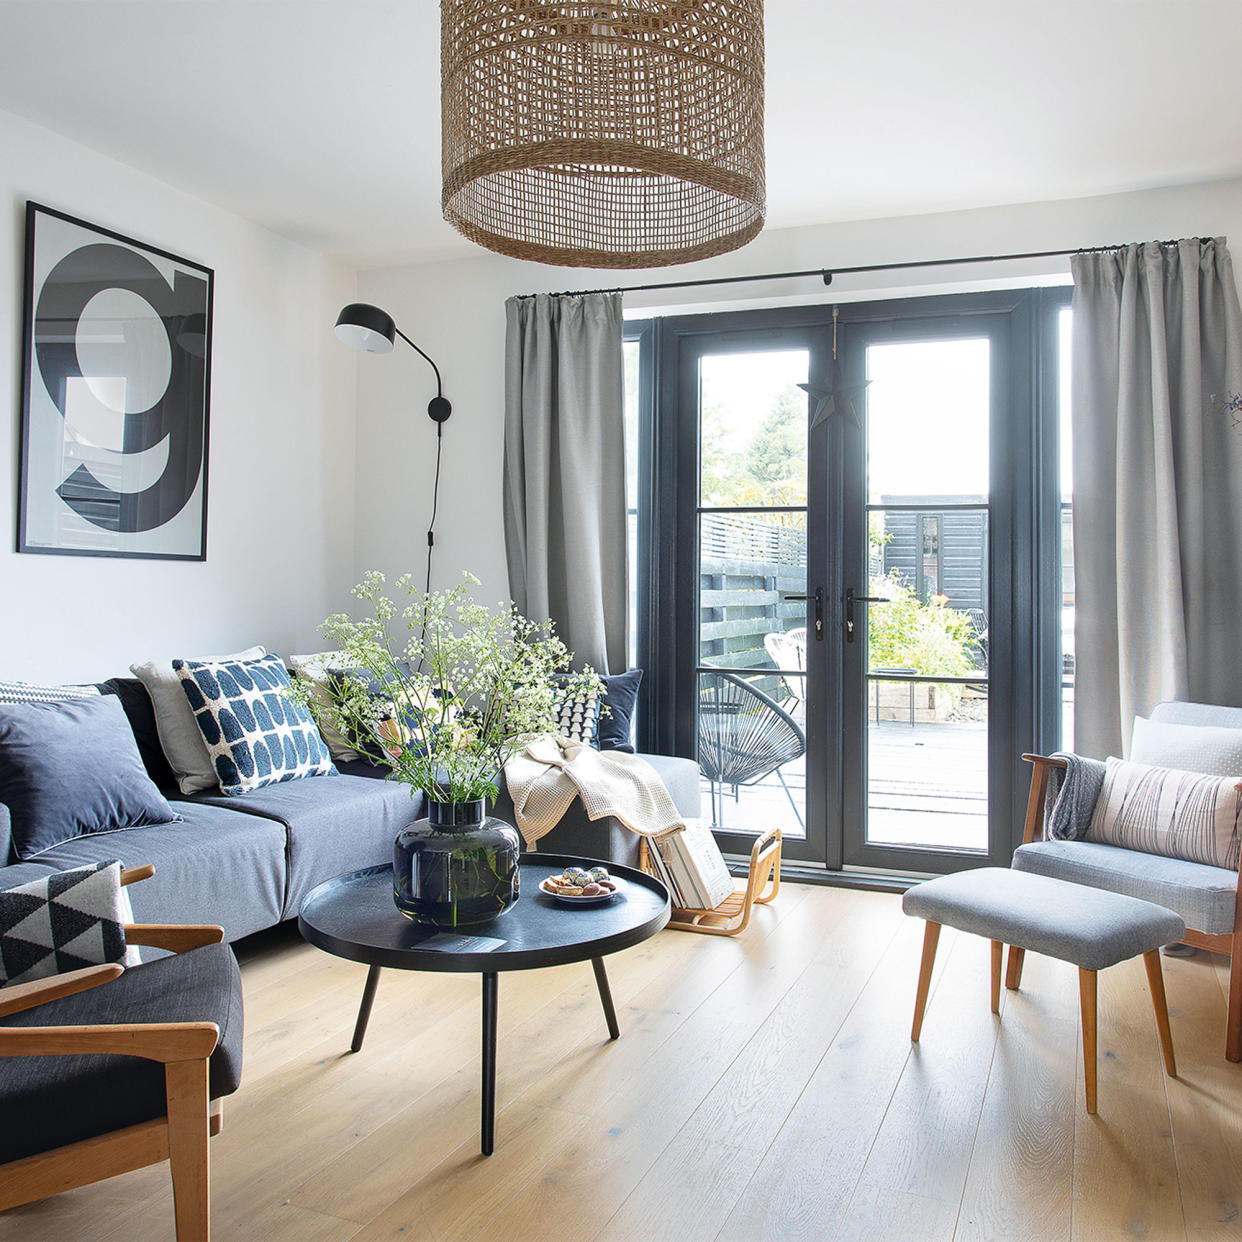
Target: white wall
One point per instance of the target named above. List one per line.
(281, 494)
(455, 311)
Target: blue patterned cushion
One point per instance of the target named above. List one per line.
(254, 733)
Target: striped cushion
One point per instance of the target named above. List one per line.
(1167, 811)
(32, 692)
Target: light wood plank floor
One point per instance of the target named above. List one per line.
(763, 1088)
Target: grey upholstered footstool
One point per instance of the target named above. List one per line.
(1087, 926)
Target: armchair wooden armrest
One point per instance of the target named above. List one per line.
(1044, 766)
(131, 875)
(19, 996)
(177, 937)
(154, 1041)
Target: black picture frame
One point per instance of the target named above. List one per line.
(112, 323)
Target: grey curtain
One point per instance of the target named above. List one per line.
(1157, 486)
(564, 470)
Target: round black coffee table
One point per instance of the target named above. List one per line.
(353, 916)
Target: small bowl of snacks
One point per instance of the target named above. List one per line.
(581, 886)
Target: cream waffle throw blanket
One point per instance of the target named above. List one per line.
(551, 772)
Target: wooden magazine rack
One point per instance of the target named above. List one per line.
(731, 916)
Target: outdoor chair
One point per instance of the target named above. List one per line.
(1208, 898)
(744, 735)
(104, 1070)
(787, 651)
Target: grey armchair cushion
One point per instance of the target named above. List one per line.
(1092, 928)
(1204, 896)
(53, 1101)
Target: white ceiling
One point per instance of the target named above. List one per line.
(320, 118)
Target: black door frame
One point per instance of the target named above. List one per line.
(1025, 672)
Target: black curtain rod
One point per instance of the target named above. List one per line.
(828, 273)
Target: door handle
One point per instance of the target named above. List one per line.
(818, 597)
(850, 600)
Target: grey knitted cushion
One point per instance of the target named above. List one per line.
(1090, 927)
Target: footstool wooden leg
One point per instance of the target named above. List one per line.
(1087, 995)
(1013, 973)
(1155, 981)
(931, 937)
(998, 952)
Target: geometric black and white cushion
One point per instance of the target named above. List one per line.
(31, 692)
(63, 922)
(576, 720)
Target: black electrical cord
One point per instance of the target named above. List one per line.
(435, 504)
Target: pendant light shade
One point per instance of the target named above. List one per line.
(612, 135)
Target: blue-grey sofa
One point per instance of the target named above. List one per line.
(246, 862)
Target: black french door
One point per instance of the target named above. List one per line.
(842, 617)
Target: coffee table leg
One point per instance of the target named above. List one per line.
(605, 997)
(364, 1010)
(488, 1126)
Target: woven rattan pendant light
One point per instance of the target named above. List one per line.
(590, 134)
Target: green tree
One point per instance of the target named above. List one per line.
(777, 451)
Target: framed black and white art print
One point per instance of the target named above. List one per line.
(115, 395)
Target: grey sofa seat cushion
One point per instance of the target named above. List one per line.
(334, 824)
(53, 1101)
(216, 866)
(24, 873)
(1090, 927)
(1204, 896)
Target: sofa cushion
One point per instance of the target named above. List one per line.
(615, 727)
(136, 703)
(69, 768)
(37, 692)
(180, 739)
(335, 824)
(255, 733)
(64, 921)
(1204, 896)
(58, 1100)
(215, 866)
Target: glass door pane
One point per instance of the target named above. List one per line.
(926, 624)
(752, 555)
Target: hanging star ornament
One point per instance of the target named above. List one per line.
(839, 399)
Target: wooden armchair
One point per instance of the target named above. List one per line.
(1209, 899)
(102, 1069)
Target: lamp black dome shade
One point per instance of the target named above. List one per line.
(366, 327)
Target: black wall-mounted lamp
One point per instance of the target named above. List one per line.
(375, 331)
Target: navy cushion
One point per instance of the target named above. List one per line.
(136, 700)
(66, 1099)
(615, 730)
(72, 768)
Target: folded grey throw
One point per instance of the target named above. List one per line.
(1072, 796)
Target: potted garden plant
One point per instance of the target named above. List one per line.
(444, 690)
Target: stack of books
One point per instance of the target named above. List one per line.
(692, 868)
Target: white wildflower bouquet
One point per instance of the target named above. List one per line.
(464, 691)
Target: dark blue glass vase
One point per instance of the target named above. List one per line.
(455, 868)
